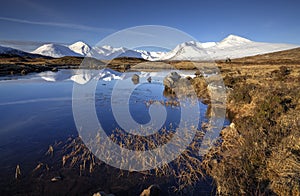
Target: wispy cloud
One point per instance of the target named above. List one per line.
(57, 24)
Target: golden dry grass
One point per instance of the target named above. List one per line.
(259, 153)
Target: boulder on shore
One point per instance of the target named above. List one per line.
(175, 84)
(170, 80)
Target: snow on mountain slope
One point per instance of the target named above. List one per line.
(12, 51)
(130, 53)
(230, 47)
(80, 48)
(54, 50)
(208, 44)
(7, 50)
(151, 55)
(249, 49)
(187, 51)
(232, 40)
(109, 52)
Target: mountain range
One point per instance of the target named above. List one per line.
(231, 47)
(7, 51)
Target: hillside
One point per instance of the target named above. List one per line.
(291, 56)
(21, 65)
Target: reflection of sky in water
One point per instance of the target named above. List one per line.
(36, 110)
(137, 104)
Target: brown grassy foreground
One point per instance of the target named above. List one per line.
(260, 151)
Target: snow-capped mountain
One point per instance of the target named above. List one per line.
(12, 51)
(55, 50)
(187, 51)
(232, 40)
(151, 56)
(208, 44)
(80, 48)
(231, 47)
(109, 52)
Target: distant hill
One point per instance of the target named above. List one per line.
(11, 52)
(291, 56)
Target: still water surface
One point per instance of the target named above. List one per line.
(36, 111)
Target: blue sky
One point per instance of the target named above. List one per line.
(69, 21)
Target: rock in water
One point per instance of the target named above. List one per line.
(152, 190)
(198, 73)
(135, 79)
(149, 79)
